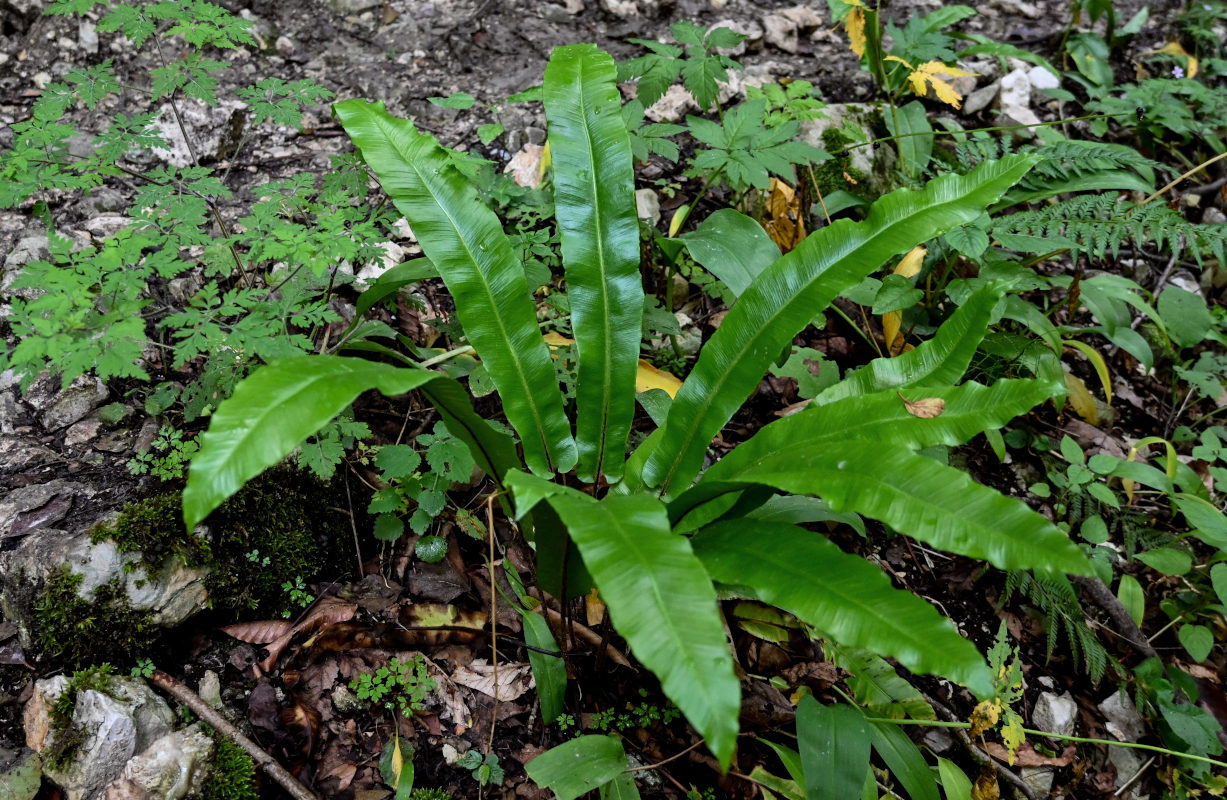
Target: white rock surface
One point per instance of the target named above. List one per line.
(525, 166)
(673, 106)
(647, 204)
(1015, 100)
(1055, 713)
(1123, 720)
(171, 768)
(781, 32)
(393, 254)
(204, 124)
(1041, 78)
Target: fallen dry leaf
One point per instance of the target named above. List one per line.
(784, 223)
(1028, 757)
(924, 408)
(259, 632)
(513, 679)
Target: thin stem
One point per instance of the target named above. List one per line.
(439, 359)
(1184, 175)
(1062, 737)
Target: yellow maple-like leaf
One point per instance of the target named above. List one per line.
(929, 75)
(1012, 736)
(855, 24)
(985, 787)
(984, 717)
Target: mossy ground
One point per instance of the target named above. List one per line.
(233, 776)
(278, 528)
(833, 175)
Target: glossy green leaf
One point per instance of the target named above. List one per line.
(955, 783)
(840, 594)
(834, 744)
(465, 241)
(876, 685)
(403, 274)
(1167, 560)
(904, 760)
(594, 201)
(621, 788)
(577, 767)
(1132, 597)
(1198, 641)
(661, 600)
(278, 406)
(939, 361)
(733, 247)
(785, 298)
(916, 144)
(1218, 579)
(549, 672)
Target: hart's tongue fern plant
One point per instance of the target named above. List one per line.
(653, 540)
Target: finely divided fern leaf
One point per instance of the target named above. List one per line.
(1098, 224)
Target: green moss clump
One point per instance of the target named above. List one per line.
(233, 776)
(832, 175)
(430, 794)
(277, 529)
(72, 630)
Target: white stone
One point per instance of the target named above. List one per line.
(1038, 778)
(1016, 89)
(104, 226)
(1041, 78)
(675, 104)
(205, 125)
(171, 768)
(35, 247)
(210, 689)
(82, 396)
(647, 205)
(1123, 720)
(1055, 713)
(780, 31)
(803, 15)
(393, 254)
(87, 36)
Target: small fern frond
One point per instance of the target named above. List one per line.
(1057, 602)
(1098, 224)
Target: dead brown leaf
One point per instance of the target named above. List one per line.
(784, 223)
(1028, 757)
(513, 680)
(924, 408)
(259, 632)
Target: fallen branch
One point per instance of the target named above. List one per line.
(219, 723)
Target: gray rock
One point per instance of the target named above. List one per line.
(169, 596)
(105, 226)
(205, 124)
(675, 104)
(11, 410)
(1038, 778)
(29, 508)
(34, 247)
(978, 100)
(647, 204)
(1212, 216)
(172, 767)
(87, 36)
(393, 254)
(780, 31)
(20, 453)
(82, 396)
(1123, 720)
(210, 689)
(632, 8)
(127, 719)
(353, 6)
(1055, 713)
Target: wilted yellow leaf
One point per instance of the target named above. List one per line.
(929, 74)
(1012, 736)
(855, 24)
(891, 322)
(909, 266)
(646, 376)
(679, 217)
(784, 223)
(985, 787)
(984, 717)
(594, 608)
(1081, 399)
(545, 161)
(924, 408)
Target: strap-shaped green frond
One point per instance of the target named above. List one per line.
(662, 600)
(842, 595)
(594, 201)
(465, 240)
(784, 299)
(278, 406)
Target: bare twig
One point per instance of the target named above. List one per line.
(219, 723)
(1126, 627)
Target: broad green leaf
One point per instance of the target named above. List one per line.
(941, 360)
(733, 247)
(916, 144)
(621, 787)
(840, 594)
(1167, 560)
(662, 601)
(785, 298)
(403, 274)
(1185, 314)
(790, 758)
(904, 760)
(278, 406)
(955, 783)
(1198, 640)
(577, 767)
(1132, 597)
(834, 744)
(465, 240)
(1218, 579)
(549, 672)
(594, 201)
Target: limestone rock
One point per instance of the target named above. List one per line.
(876, 165)
(34, 247)
(979, 100)
(647, 206)
(675, 104)
(1041, 78)
(393, 254)
(525, 166)
(1055, 713)
(58, 408)
(172, 767)
(207, 125)
(1015, 101)
(780, 32)
(124, 720)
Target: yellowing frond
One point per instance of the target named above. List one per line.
(909, 266)
(929, 74)
(855, 23)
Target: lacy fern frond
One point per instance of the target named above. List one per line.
(1062, 164)
(1098, 224)
(1057, 602)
